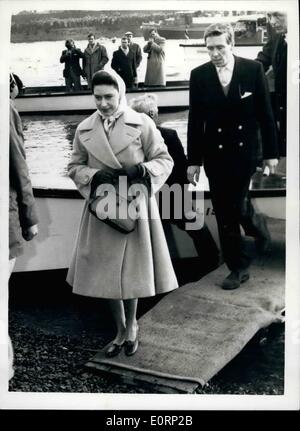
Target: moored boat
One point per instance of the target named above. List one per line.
(60, 210)
(249, 29)
(56, 100)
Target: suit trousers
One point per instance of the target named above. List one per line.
(233, 209)
(73, 81)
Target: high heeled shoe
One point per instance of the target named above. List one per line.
(130, 347)
(113, 350)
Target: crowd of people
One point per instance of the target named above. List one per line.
(125, 61)
(229, 104)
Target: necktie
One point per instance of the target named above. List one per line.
(224, 76)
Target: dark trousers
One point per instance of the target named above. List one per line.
(233, 208)
(73, 81)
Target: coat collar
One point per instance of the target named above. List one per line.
(96, 142)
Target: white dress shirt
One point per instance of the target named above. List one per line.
(225, 72)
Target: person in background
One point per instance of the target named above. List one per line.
(155, 48)
(72, 71)
(202, 238)
(22, 209)
(95, 58)
(137, 51)
(124, 63)
(113, 143)
(274, 53)
(229, 104)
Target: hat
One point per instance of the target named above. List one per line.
(128, 33)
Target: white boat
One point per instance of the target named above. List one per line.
(60, 210)
(45, 100)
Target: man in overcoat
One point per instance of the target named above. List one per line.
(95, 58)
(229, 105)
(124, 63)
(274, 53)
(72, 71)
(137, 52)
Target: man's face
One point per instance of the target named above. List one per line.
(70, 44)
(153, 33)
(129, 37)
(106, 99)
(91, 40)
(219, 50)
(279, 23)
(124, 43)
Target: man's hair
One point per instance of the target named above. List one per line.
(144, 103)
(124, 38)
(68, 41)
(103, 78)
(218, 29)
(90, 35)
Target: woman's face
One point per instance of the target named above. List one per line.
(106, 99)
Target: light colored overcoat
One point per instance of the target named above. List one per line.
(107, 263)
(155, 73)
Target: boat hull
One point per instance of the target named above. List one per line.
(171, 97)
(60, 212)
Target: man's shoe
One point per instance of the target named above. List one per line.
(263, 242)
(234, 280)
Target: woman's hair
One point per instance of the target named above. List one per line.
(144, 103)
(104, 78)
(218, 29)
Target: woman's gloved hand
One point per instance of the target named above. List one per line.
(105, 176)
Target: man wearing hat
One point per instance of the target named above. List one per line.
(136, 49)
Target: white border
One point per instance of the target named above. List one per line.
(59, 401)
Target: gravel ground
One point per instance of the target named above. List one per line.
(54, 333)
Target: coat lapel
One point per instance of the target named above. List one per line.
(124, 132)
(95, 140)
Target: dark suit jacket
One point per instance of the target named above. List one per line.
(125, 66)
(72, 61)
(136, 49)
(223, 130)
(274, 53)
(175, 149)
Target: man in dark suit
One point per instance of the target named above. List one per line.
(274, 53)
(123, 62)
(202, 238)
(229, 103)
(137, 51)
(72, 70)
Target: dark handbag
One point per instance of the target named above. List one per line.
(115, 206)
(116, 209)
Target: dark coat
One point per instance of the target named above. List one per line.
(274, 53)
(71, 61)
(22, 210)
(223, 130)
(125, 66)
(175, 149)
(137, 51)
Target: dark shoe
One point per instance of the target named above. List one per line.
(263, 242)
(113, 350)
(234, 279)
(130, 347)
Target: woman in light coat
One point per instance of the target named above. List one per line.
(107, 263)
(155, 47)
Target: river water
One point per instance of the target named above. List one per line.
(48, 139)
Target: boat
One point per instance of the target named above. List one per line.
(248, 29)
(60, 212)
(57, 100)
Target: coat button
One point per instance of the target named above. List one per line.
(240, 127)
(220, 146)
(219, 129)
(241, 144)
